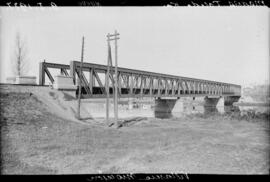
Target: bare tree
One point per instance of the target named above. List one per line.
(20, 56)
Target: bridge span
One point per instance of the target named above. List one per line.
(136, 83)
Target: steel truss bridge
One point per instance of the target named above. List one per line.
(136, 83)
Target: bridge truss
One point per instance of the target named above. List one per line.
(136, 83)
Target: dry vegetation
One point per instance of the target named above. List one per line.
(36, 141)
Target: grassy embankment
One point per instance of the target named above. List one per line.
(36, 141)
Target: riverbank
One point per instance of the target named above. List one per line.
(36, 141)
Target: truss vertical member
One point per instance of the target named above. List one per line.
(115, 38)
(80, 83)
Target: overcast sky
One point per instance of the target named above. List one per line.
(227, 44)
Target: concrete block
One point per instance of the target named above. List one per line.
(29, 80)
(62, 82)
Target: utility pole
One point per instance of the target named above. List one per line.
(109, 66)
(115, 38)
(80, 84)
(116, 82)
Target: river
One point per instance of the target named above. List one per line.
(181, 109)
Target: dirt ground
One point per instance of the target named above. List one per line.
(36, 141)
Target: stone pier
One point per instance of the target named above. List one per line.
(164, 105)
(229, 100)
(211, 101)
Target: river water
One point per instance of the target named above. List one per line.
(181, 109)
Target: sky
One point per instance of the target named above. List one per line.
(226, 44)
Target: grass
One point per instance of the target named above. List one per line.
(35, 141)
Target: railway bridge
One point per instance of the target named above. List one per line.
(166, 89)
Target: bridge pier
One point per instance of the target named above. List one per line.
(211, 101)
(229, 100)
(164, 105)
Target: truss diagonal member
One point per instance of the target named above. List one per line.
(86, 84)
(84, 81)
(187, 86)
(48, 74)
(64, 71)
(99, 82)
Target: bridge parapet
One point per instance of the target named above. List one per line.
(136, 83)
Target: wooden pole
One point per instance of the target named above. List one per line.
(116, 84)
(80, 84)
(107, 81)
